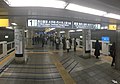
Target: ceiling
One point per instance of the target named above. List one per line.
(20, 15)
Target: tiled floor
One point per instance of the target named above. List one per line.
(40, 68)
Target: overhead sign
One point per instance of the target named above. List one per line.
(61, 24)
(79, 25)
(112, 27)
(4, 22)
(49, 23)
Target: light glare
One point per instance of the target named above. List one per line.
(37, 3)
(84, 9)
(112, 15)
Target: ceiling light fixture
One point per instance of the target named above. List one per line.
(36, 3)
(52, 29)
(14, 24)
(112, 15)
(79, 30)
(83, 9)
(71, 30)
(62, 31)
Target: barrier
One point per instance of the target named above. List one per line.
(104, 47)
(6, 48)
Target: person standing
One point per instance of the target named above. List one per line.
(97, 49)
(75, 44)
(43, 41)
(64, 43)
(113, 53)
(67, 45)
(57, 42)
(70, 40)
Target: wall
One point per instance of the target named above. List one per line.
(6, 32)
(97, 34)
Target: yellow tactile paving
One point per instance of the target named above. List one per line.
(7, 58)
(64, 74)
(38, 52)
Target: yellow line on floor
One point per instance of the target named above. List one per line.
(64, 74)
(7, 58)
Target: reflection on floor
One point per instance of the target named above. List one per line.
(40, 68)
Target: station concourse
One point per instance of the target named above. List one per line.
(54, 41)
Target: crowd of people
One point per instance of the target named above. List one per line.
(66, 43)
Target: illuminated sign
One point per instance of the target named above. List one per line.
(80, 25)
(112, 27)
(105, 39)
(49, 23)
(61, 24)
(4, 22)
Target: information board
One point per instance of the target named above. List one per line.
(79, 25)
(49, 23)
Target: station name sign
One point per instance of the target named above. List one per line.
(49, 23)
(61, 24)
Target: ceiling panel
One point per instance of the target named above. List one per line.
(115, 3)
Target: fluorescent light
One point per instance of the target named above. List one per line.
(36, 3)
(62, 31)
(112, 15)
(84, 9)
(6, 36)
(71, 30)
(26, 31)
(79, 30)
(52, 29)
(9, 27)
(81, 36)
(14, 24)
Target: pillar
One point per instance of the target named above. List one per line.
(58, 33)
(67, 34)
(29, 39)
(19, 45)
(86, 43)
(117, 58)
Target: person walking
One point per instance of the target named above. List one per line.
(67, 45)
(113, 53)
(97, 49)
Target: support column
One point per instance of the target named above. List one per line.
(67, 33)
(19, 45)
(58, 33)
(86, 43)
(29, 39)
(117, 58)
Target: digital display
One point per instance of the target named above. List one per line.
(105, 39)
